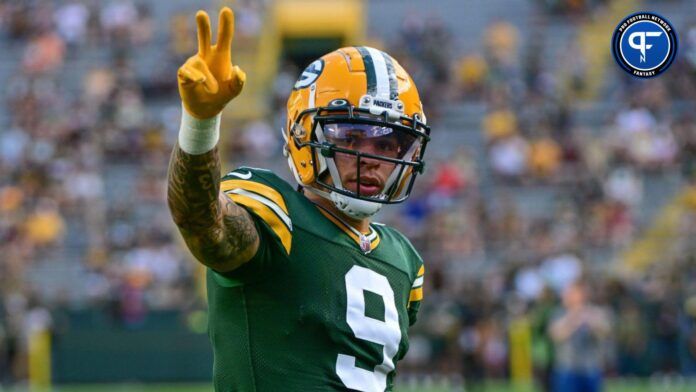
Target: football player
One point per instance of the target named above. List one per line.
(305, 293)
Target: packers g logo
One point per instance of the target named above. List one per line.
(644, 44)
(309, 75)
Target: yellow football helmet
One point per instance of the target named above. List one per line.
(351, 97)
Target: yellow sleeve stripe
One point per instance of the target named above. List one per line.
(416, 295)
(273, 206)
(421, 271)
(265, 213)
(263, 190)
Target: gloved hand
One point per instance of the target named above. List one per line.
(208, 80)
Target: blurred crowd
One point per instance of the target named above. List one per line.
(521, 290)
(522, 231)
(61, 130)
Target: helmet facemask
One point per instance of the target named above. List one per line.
(376, 133)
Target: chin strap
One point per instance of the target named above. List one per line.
(355, 208)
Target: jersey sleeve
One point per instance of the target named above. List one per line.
(416, 295)
(247, 188)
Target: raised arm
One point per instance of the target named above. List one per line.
(219, 233)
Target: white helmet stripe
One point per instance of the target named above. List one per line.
(376, 72)
(393, 82)
(381, 73)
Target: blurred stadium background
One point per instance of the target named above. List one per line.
(548, 164)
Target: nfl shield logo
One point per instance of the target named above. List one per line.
(364, 243)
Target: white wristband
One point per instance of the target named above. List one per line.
(198, 136)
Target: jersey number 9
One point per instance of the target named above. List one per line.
(386, 333)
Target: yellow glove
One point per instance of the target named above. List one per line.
(207, 80)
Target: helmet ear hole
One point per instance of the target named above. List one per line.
(338, 102)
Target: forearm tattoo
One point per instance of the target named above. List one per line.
(215, 228)
(193, 188)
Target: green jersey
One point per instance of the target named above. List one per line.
(318, 308)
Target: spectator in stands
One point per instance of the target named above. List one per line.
(632, 337)
(509, 156)
(45, 226)
(260, 141)
(143, 30)
(249, 18)
(472, 71)
(544, 157)
(502, 41)
(579, 333)
(18, 19)
(181, 41)
(499, 123)
(541, 315)
(44, 54)
(118, 19)
(71, 22)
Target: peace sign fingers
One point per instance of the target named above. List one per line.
(203, 23)
(225, 31)
(208, 80)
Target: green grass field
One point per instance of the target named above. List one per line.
(610, 386)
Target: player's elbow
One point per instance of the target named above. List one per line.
(233, 257)
(214, 250)
(223, 262)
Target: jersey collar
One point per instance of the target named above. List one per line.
(366, 241)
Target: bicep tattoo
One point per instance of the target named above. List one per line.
(240, 227)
